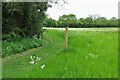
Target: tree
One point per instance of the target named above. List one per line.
(101, 22)
(68, 20)
(23, 18)
(113, 22)
(113, 18)
(49, 22)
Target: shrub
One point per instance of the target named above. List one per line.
(20, 45)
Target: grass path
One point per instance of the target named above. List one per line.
(89, 55)
(48, 41)
(20, 62)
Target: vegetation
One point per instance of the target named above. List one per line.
(22, 26)
(70, 20)
(20, 45)
(24, 19)
(21, 21)
(90, 54)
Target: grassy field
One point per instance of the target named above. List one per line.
(90, 54)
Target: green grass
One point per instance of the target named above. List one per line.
(89, 55)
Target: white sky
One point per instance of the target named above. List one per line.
(83, 8)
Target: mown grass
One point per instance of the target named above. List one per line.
(89, 55)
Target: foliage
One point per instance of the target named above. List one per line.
(20, 45)
(20, 22)
(78, 61)
(70, 20)
(23, 18)
(48, 22)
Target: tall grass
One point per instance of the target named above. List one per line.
(89, 55)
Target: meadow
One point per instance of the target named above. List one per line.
(90, 54)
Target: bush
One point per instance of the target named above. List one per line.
(20, 45)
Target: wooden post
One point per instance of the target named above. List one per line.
(66, 37)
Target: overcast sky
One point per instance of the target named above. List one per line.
(83, 8)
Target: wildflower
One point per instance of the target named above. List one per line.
(86, 57)
(39, 10)
(65, 68)
(35, 35)
(43, 66)
(30, 57)
(32, 62)
(39, 59)
(33, 56)
(36, 60)
(95, 55)
(90, 54)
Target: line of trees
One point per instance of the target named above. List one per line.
(70, 20)
(22, 18)
(26, 19)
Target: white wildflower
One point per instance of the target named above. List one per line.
(36, 60)
(90, 54)
(35, 35)
(39, 10)
(32, 62)
(33, 56)
(39, 59)
(95, 55)
(30, 57)
(65, 68)
(43, 66)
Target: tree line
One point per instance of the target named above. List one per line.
(70, 20)
(26, 19)
(22, 18)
